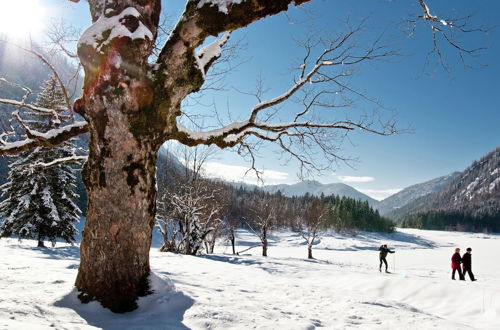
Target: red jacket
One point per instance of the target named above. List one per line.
(455, 261)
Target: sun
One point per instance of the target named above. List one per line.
(20, 19)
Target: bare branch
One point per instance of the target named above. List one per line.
(321, 82)
(56, 74)
(51, 138)
(65, 160)
(446, 28)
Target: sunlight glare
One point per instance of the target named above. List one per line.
(21, 18)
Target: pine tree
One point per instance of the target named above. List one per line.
(38, 199)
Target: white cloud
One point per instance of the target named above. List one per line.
(379, 194)
(239, 173)
(346, 178)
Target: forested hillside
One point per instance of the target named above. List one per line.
(470, 202)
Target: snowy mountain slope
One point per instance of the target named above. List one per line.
(317, 188)
(411, 193)
(478, 184)
(476, 191)
(341, 289)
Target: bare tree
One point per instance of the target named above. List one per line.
(263, 210)
(314, 218)
(190, 207)
(132, 106)
(213, 220)
(231, 225)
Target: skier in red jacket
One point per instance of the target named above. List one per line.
(455, 265)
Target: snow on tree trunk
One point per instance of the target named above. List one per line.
(309, 251)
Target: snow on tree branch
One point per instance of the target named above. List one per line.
(210, 53)
(64, 160)
(21, 104)
(50, 138)
(446, 28)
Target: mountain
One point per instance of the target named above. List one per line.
(475, 193)
(414, 192)
(317, 188)
(476, 190)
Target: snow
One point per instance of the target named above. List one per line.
(341, 289)
(56, 131)
(211, 51)
(95, 34)
(205, 136)
(222, 5)
(493, 184)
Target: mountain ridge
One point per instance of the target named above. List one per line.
(475, 192)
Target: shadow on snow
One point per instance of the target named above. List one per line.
(164, 309)
(58, 253)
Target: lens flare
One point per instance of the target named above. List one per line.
(21, 18)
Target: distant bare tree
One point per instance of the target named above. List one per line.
(314, 218)
(190, 210)
(263, 214)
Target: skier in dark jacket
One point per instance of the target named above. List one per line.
(383, 253)
(455, 265)
(467, 264)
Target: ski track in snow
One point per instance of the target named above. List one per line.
(341, 289)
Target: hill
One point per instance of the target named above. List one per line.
(316, 188)
(414, 192)
(471, 201)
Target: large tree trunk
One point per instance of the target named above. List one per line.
(120, 180)
(118, 99)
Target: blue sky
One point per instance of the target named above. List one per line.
(454, 116)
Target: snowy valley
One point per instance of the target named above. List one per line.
(340, 289)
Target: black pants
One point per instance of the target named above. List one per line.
(469, 270)
(461, 276)
(385, 262)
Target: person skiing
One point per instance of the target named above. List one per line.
(467, 264)
(455, 265)
(383, 253)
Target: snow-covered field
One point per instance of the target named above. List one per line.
(340, 289)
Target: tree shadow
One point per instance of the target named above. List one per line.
(372, 241)
(164, 309)
(57, 253)
(231, 259)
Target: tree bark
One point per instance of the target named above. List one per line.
(264, 241)
(309, 252)
(40, 242)
(120, 180)
(233, 242)
(120, 171)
